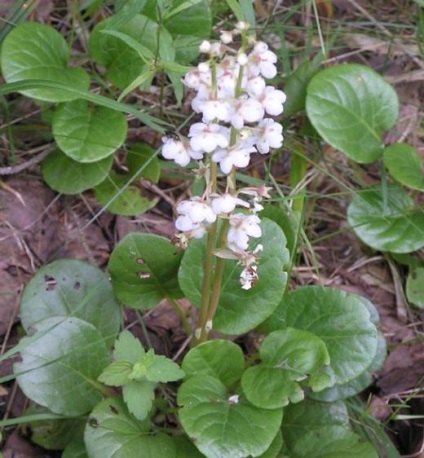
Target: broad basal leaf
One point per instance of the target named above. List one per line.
(223, 425)
(415, 287)
(239, 310)
(71, 288)
(144, 269)
(404, 165)
(67, 176)
(88, 134)
(60, 369)
(112, 432)
(387, 220)
(221, 359)
(340, 320)
(36, 51)
(351, 106)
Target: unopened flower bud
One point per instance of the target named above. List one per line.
(205, 46)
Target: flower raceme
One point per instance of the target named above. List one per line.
(234, 103)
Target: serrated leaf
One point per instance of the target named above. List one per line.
(415, 287)
(340, 320)
(163, 370)
(88, 134)
(221, 359)
(70, 287)
(128, 348)
(404, 165)
(112, 432)
(344, 105)
(144, 269)
(138, 397)
(222, 427)
(387, 220)
(239, 310)
(60, 369)
(67, 176)
(36, 51)
(116, 374)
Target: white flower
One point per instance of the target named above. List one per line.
(226, 203)
(272, 100)
(247, 109)
(212, 108)
(248, 277)
(256, 86)
(226, 37)
(262, 61)
(242, 227)
(242, 58)
(195, 217)
(174, 149)
(269, 135)
(207, 137)
(205, 46)
(236, 156)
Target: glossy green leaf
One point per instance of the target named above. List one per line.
(60, 369)
(386, 220)
(221, 359)
(112, 432)
(122, 61)
(67, 176)
(138, 397)
(67, 288)
(185, 448)
(404, 165)
(321, 430)
(37, 51)
(186, 48)
(144, 269)
(288, 356)
(344, 104)
(274, 448)
(222, 425)
(415, 287)
(358, 384)
(341, 320)
(239, 310)
(88, 134)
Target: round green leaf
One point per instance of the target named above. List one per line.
(404, 165)
(344, 104)
(75, 449)
(387, 220)
(341, 320)
(287, 356)
(321, 430)
(224, 426)
(67, 176)
(239, 310)
(70, 287)
(112, 432)
(123, 62)
(415, 287)
(358, 384)
(221, 359)
(274, 448)
(88, 134)
(36, 51)
(144, 269)
(59, 370)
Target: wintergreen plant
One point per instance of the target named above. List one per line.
(99, 392)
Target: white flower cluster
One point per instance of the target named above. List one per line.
(234, 102)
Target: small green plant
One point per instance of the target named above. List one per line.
(231, 258)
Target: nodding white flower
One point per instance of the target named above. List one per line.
(174, 149)
(226, 203)
(269, 135)
(242, 227)
(205, 46)
(262, 61)
(242, 58)
(247, 109)
(249, 277)
(207, 137)
(272, 100)
(255, 86)
(236, 156)
(195, 216)
(213, 108)
(241, 25)
(226, 37)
